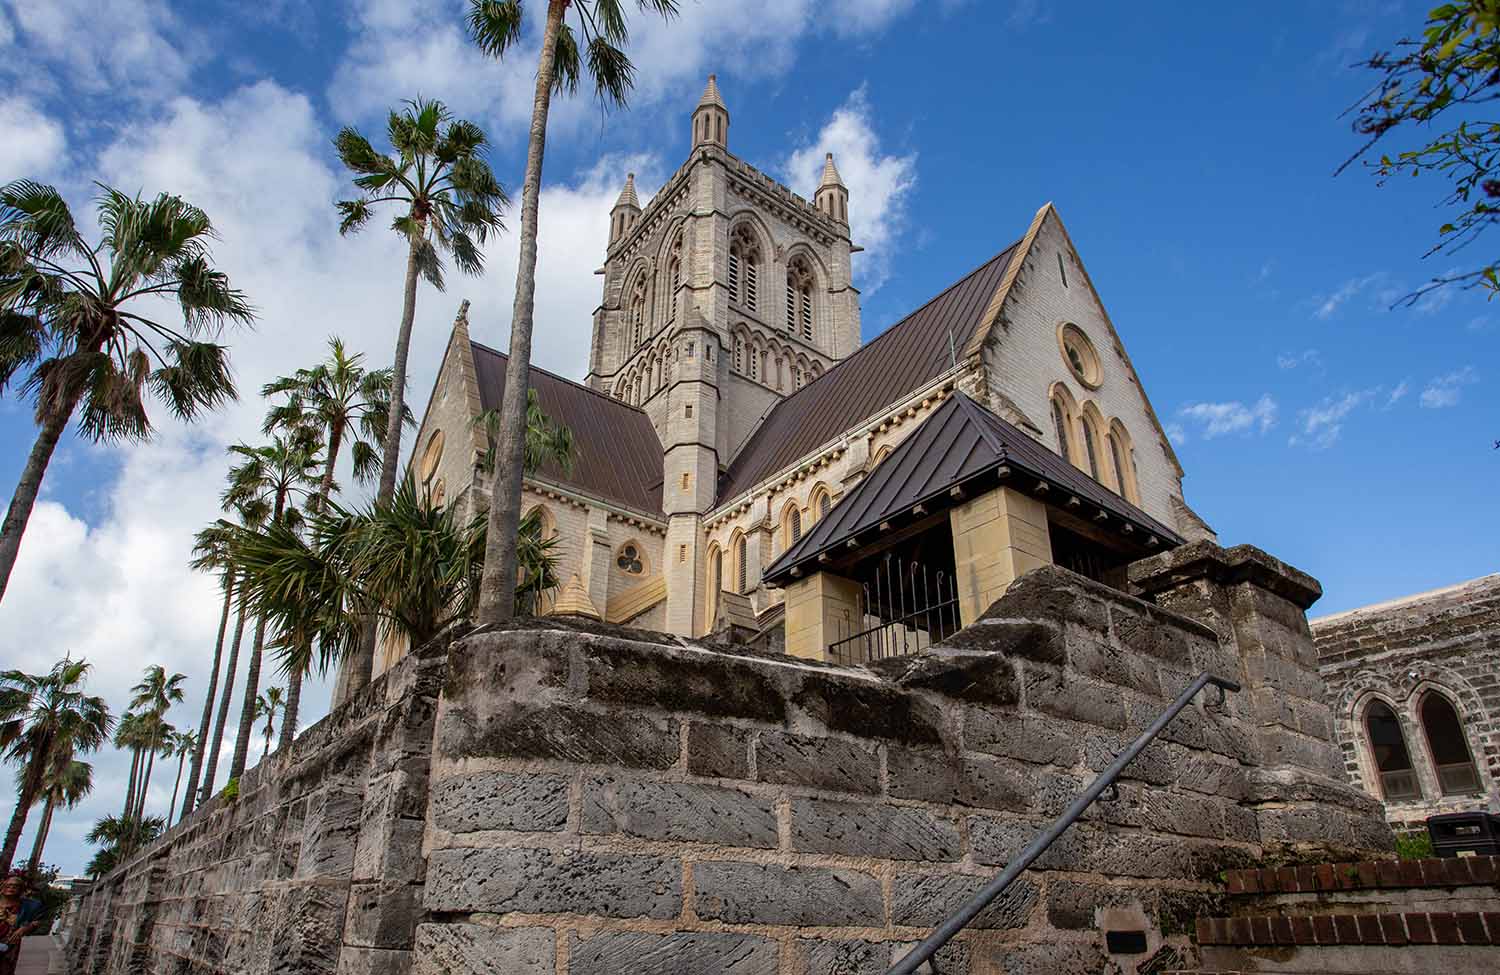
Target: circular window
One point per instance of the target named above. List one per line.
(630, 560)
(430, 457)
(1078, 352)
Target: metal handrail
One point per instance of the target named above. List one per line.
(928, 949)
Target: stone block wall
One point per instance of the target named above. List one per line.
(607, 801)
(316, 866)
(1445, 642)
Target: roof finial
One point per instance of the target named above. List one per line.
(627, 194)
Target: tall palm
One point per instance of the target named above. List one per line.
(251, 512)
(66, 786)
(132, 734)
(339, 400)
(276, 476)
(152, 698)
(495, 25)
(410, 561)
(268, 705)
(42, 717)
(181, 744)
(211, 554)
(74, 320)
(447, 199)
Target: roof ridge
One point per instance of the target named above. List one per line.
(897, 324)
(562, 379)
(965, 402)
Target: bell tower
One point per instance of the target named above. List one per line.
(711, 118)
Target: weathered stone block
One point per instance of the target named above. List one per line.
(567, 734)
(1025, 738)
(1069, 696)
(1062, 958)
(748, 893)
(822, 763)
(719, 751)
(927, 900)
(679, 953)
(306, 930)
(869, 709)
(679, 812)
(544, 882)
(872, 830)
(717, 685)
(382, 915)
(938, 777)
(500, 800)
(458, 949)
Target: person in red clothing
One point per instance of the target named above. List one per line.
(17, 920)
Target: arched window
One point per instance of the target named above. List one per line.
(755, 355)
(801, 374)
(825, 504)
(715, 581)
(638, 312)
(744, 266)
(799, 292)
(819, 503)
(439, 493)
(1123, 458)
(674, 277)
(546, 524)
(1091, 447)
(1060, 427)
(1448, 747)
(741, 564)
(791, 526)
(1392, 760)
(431, 456)
(739, 354)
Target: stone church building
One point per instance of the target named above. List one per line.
(730, 411)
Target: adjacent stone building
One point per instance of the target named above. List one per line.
(729, 405)
(1415, 688)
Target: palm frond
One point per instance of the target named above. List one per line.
(495, 25)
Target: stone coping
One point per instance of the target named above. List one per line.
(1364, 875)
(1205, 560)
(1389, 929)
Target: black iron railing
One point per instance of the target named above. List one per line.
(903, 607)
(926, 952)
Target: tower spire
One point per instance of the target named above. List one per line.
(832, 196)
(711, 117)
(625, 212)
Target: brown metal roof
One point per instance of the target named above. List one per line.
(960, 442)
(616, 454)
(904, 357)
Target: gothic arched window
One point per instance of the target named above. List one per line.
(1091, 444)
(744, 266)
(799, 292)
(674, 277)
(637, 312)
(1124, 462)
(1388, 747)
(715, 581)
(1447, 745)
(741, 565)
(1060, 427)
(739, 354)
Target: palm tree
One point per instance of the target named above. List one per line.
(547, 442)
(131, 734)
(66, 785)
(337, 399)
(74, 319)
(182, 744)
(211, 553)
(119, 835)
(41, 718)
(268, 706)
(151, 699)
(410, 561)
(251, 513)
(495, 25)
(274, 477)
(449, 200)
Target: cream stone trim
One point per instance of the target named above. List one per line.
(630, 603)
(574, 600)
(628, 516)
(997, 300)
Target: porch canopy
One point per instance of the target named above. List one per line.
(958, 453)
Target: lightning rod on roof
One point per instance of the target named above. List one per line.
(952, 352)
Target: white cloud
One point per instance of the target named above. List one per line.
(1311, 358)
(1320, 426)
(1220, 419)
(879, 184)
(1446, 390)
(1177, 434)
(1398, 394)
(30, 141)
(125, 48)
(1377, 286)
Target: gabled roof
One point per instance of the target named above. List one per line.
(616, 454)
(905, 357)
(960, 443)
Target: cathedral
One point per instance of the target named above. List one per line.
(745, 467)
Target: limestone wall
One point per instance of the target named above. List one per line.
(560, 797)
(316, 866)
(1445, 642)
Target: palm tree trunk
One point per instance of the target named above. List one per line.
(270, 726)
(289, 711)
(391, 448)
(497, 593)
(335, 444)
(211, 753)
(247, 711)
(140, 806)
(196, 769)
(181, 758)
(24, 499)
(31, 785)
(42, 829)
(135, 771)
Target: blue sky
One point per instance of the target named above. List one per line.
(1189, 148)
